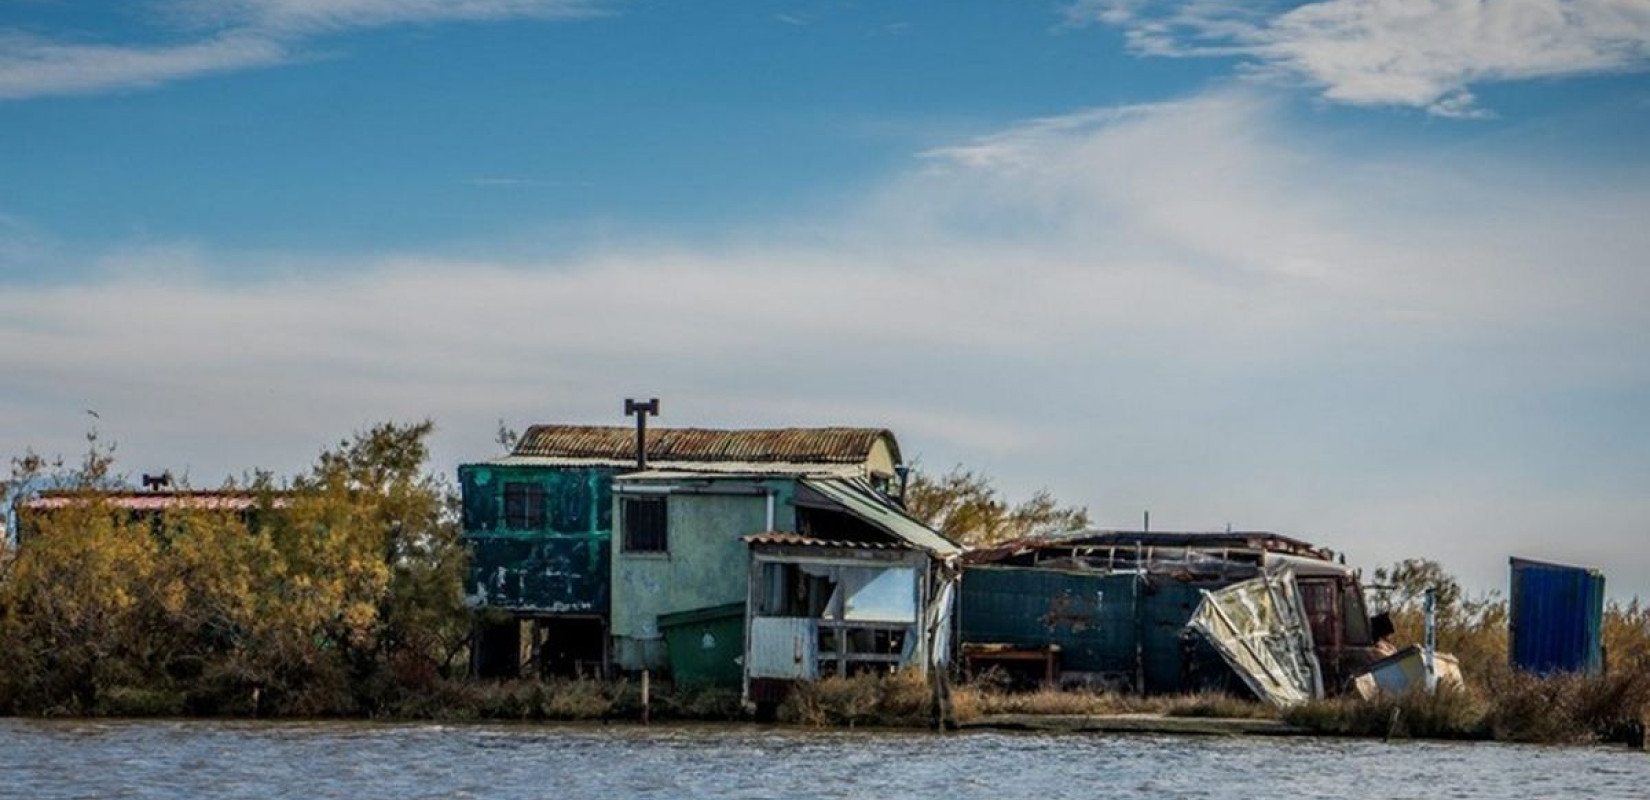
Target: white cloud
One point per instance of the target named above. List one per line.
(1189, 307)
(32, 67)
(307, 15)
(1420, 53)
(232, 35)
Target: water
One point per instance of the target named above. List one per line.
(46, 760)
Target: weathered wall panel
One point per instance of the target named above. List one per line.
(559, 566)
(1121, 626)
(706, 565)
(1091, 617)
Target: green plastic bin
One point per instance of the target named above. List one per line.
(706, 646)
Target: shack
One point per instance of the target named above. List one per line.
(1111, 608)
(829, 573)
(540, 522)
(861, 586)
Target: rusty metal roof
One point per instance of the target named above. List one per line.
(790, 445)
(1265, 541)
(1245, 541)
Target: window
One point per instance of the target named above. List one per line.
(570, 505)
(523, 506)
(644, 525)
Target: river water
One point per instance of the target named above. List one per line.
(45, 760)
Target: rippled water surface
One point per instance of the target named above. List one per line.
(44, 760)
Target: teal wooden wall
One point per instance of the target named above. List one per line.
(561, 566)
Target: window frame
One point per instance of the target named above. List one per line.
(629, 518)
(531, 506)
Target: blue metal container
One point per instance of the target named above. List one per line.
(1557, 619)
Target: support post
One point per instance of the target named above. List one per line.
(646, 698)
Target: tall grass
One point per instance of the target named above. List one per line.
(1453, 713)
(1499, 702)
(984, 698)
(902, 700)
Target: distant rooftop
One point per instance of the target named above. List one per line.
(136, 500)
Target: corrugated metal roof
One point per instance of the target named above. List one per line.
(1253, 540)
(688, 469)
(781, 537)
(858, 498)
(697, 445)
(1256, 541)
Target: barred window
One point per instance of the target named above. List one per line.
(644, 525)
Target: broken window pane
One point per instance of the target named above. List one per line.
(880, 595)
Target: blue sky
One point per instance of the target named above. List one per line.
(1369, 273)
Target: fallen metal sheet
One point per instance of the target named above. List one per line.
(1405, 670)
(1260, 628)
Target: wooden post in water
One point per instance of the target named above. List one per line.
(646, 699)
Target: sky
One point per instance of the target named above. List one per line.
(1367, 273)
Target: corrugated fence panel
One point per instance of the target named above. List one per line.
(1091, 617)
(1167, 604)
(1094, 620)
(1557, 620)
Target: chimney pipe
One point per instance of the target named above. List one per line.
(641, 411)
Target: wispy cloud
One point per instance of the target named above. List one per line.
(1190, 306)
(31, 67)
(504, 181)
(228, 36)
(311, 15)
(1419, 53)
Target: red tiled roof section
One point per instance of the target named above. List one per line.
(789, 445)
(204, 500)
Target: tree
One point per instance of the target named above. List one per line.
(376, 541)
(1406, 583)
(968, 509)
(339, 592)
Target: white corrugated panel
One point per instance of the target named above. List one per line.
(783, 647)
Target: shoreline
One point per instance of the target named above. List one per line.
(1136, 723)
(1049, 724)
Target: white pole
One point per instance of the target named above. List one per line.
(1429, 650)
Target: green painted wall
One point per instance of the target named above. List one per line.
(561, 566)
(707, 563)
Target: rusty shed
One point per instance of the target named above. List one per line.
(1111, 607)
